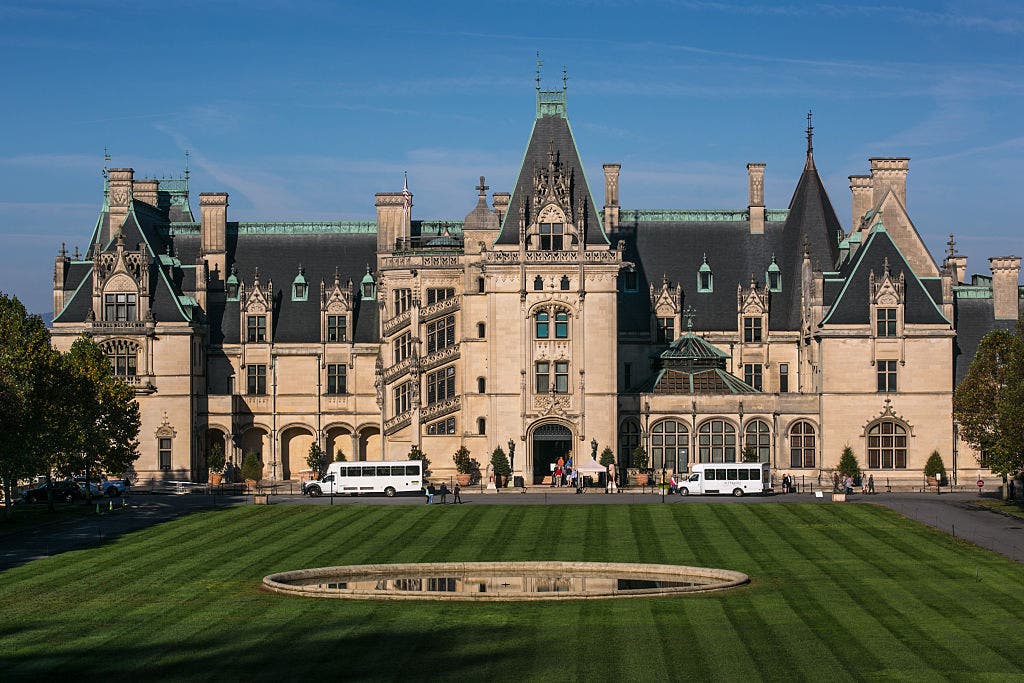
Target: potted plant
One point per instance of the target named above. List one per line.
(935, 470)
(252, 470)
(467, 467)
(640, 463)
(500, 466)
(215, 462)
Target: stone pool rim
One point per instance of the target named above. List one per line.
(278, 582)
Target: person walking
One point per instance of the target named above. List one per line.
(444, 493)
(430, 493)
(458, 490)
(871, 483)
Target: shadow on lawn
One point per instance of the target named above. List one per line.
(273, 651)
(91, 530)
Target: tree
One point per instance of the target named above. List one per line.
(339, 456)
(215, 459)
(499, 464)
(749, 454)
(252, 469)
(989, 403)
(29, 380)
(316, 460)
(848, 466)
(607, 457)
(935, 468)
(103, 417)
(640, 458)
(415, 453)
(465, 463)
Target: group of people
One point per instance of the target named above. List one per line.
(846, 484)
(443, 492)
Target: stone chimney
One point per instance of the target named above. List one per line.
(958, 267)
(213, 210)
(611, 197)
(60, 270)
(755, 197)
(1005, 279)
(889, 172)
(146, 191)
(394, 221)
(119, 182)
(860, 188)
(501, 200)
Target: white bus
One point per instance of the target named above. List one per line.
(389, 478)
(736, 478)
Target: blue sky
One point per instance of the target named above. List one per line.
(302, 111)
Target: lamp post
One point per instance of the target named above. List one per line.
(593, 454)
(512, 459)
(663, 482)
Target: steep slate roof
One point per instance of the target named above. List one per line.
(278, 257)
(853, 307)
(551, 131)
(677, 248)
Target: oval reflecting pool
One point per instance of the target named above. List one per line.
(501, 581)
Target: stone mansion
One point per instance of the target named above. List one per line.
(543, 318)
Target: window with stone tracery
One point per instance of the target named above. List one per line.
(123, 356)
(120, 307)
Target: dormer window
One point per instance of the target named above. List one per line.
(256, 328)
(337, 328)
(705, 279)
(368, 287)
(885, 322)
(300, 289)
(630, 281)
(551, 236)
(120, 307)
(774, 277)
(231, 285)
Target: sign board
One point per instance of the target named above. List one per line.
(981, 483)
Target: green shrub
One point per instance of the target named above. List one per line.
(848, 466)
(251, 467)
(934, 466)
(415, 453)
(607, 457)
(215, 460)
(640, 458)
(499, 462)
(465, 463)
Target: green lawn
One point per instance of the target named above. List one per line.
(838, 592)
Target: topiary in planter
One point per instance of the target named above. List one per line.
(252, 469)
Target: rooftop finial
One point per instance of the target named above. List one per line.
(482, 187)
(106, 161)
(539, 65)
(810, 133)
(405, 181)
(951, 246)
(187, 155)
(689, 313)
(565, 79)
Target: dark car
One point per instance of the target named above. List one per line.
(62, 491)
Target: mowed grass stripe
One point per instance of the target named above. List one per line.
(205, 616)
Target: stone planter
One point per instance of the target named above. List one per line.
(260, 499)
(464, 479)
(838, 497)
(642, 478)
(250, 484)
(216, 478)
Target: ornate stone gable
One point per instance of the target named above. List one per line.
(886, 290)
(336, 300)
(750, 300)
(259, 299)
(667, 300)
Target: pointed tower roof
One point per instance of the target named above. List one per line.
(551, 134)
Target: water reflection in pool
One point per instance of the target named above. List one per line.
(501, 581)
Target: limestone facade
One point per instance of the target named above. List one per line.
(541, 320)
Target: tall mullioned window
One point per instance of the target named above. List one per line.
(783, 378)
(256, 328)
(256, 379)
(757, 437)
(752, 330)
(666, 330)
(887, 445)
(562, 377)
(164, 448)
(753, 374)
(403, 397)
(337, 328)
(561, 325)
(542, 324)
(123, 357)
(435, 294)
(542, 377)
(802, 448)
(886, 376)
(403, 300)
(670, 445)
(120, 307)
(716, 441)
(336, 378)
(552, 236)
(403, 346)
(441, 385)
(885, 322)
(441, 333)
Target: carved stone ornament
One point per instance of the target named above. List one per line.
(551, 405)
(165, 430)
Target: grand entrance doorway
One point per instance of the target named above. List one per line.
(550, 442)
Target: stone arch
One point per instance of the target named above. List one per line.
(629, 439)
(717, 440)
(213, 435)
(255, 438)
(548, 440)
(369, 443)
(296, 439)
(338, 438)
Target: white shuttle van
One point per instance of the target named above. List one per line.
(737, 478)
(389, 478)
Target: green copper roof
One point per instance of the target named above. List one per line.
(694, 215)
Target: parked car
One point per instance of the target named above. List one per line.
(95, 486)
(66, 491)
(111, 488)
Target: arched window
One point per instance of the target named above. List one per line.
(757, 437)
(561, 325)
(629, 439)
(481, 425)
(123, 355)
(481, 385)
(564, 284)
(538, 283)
(887, 445)
(716, 441)
(481, 330)
(670, 445)
(542, 324)
(802, 448)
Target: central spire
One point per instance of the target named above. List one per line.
(810, 141)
